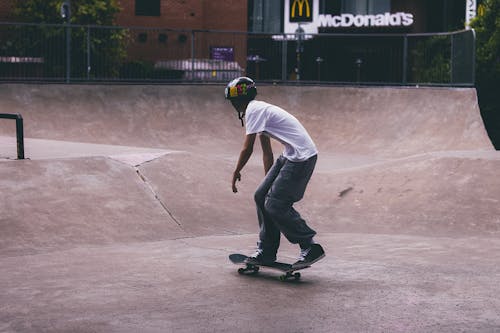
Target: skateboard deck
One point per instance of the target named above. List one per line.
(290, 272)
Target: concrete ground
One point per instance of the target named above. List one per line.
(122, 217)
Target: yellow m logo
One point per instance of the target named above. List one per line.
(300, 4)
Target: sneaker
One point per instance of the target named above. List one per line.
(258, 258)
(309, 256)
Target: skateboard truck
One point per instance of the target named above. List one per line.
(251, 269)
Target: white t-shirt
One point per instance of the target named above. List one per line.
(271, 120)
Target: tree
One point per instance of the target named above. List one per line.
(430, 60)
(105, 47)
(487, 27)
(94, 12)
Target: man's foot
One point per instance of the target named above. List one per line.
(259, 258)
(309, 256)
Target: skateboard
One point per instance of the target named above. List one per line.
(290, 272)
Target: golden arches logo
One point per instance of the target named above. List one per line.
(299, 4)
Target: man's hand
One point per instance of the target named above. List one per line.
(245, 154)
(236, 177)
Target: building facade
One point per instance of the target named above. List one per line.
(184, 14)
(359, 16)
(362, 40)
(315, 40)
(170, 23)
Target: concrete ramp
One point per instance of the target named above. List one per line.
(389, 122)
(66, 203)
(122, 217)
(177, 117)
(454, 194)
(183, 142)
(390, 161)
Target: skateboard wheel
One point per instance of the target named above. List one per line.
(282, 278)
(297, 276)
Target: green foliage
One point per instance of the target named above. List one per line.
(95, 12)
(487, 27)
(430, 60)
(104, 47)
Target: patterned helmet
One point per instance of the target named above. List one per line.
(241, 88)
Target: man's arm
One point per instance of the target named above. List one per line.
(267, 152)
(245, 154)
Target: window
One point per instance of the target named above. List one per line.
(142, 37)
(366, 7)
(331, 7)
(162, 38)
(265, 16)
(147, 7)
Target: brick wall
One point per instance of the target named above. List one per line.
(189, 14)
(155, 45)
(6, 10)
(177, 14)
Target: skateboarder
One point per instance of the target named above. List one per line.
(285, 181)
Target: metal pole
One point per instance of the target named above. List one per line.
(284, 48)
(451, 59)
(299, 34)
(405, 59)
(19, 132)
(88, 53)
(473, 65)
(192, 54)
(20, 137)
(358, 63)
(68, 53)
(319, 60)
(68, 42)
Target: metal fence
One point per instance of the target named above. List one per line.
(74, 53)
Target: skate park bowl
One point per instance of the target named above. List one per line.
(121, 216)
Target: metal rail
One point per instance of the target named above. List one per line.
(19, 132)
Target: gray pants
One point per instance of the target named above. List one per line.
(284, 184)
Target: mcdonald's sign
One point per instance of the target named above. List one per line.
(301, 10)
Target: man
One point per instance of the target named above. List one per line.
(286, 180)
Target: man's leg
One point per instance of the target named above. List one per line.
(269, 234)
(287, 188)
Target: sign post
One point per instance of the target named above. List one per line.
(470, 12)
(299, 49)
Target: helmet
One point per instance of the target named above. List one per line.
(241, 88)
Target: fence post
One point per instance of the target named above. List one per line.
(68, 52)
(452, 54)
(88, 53)
(405, 59)
(284, 58)
(192, 53)
(473, 66)
(67, 17)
